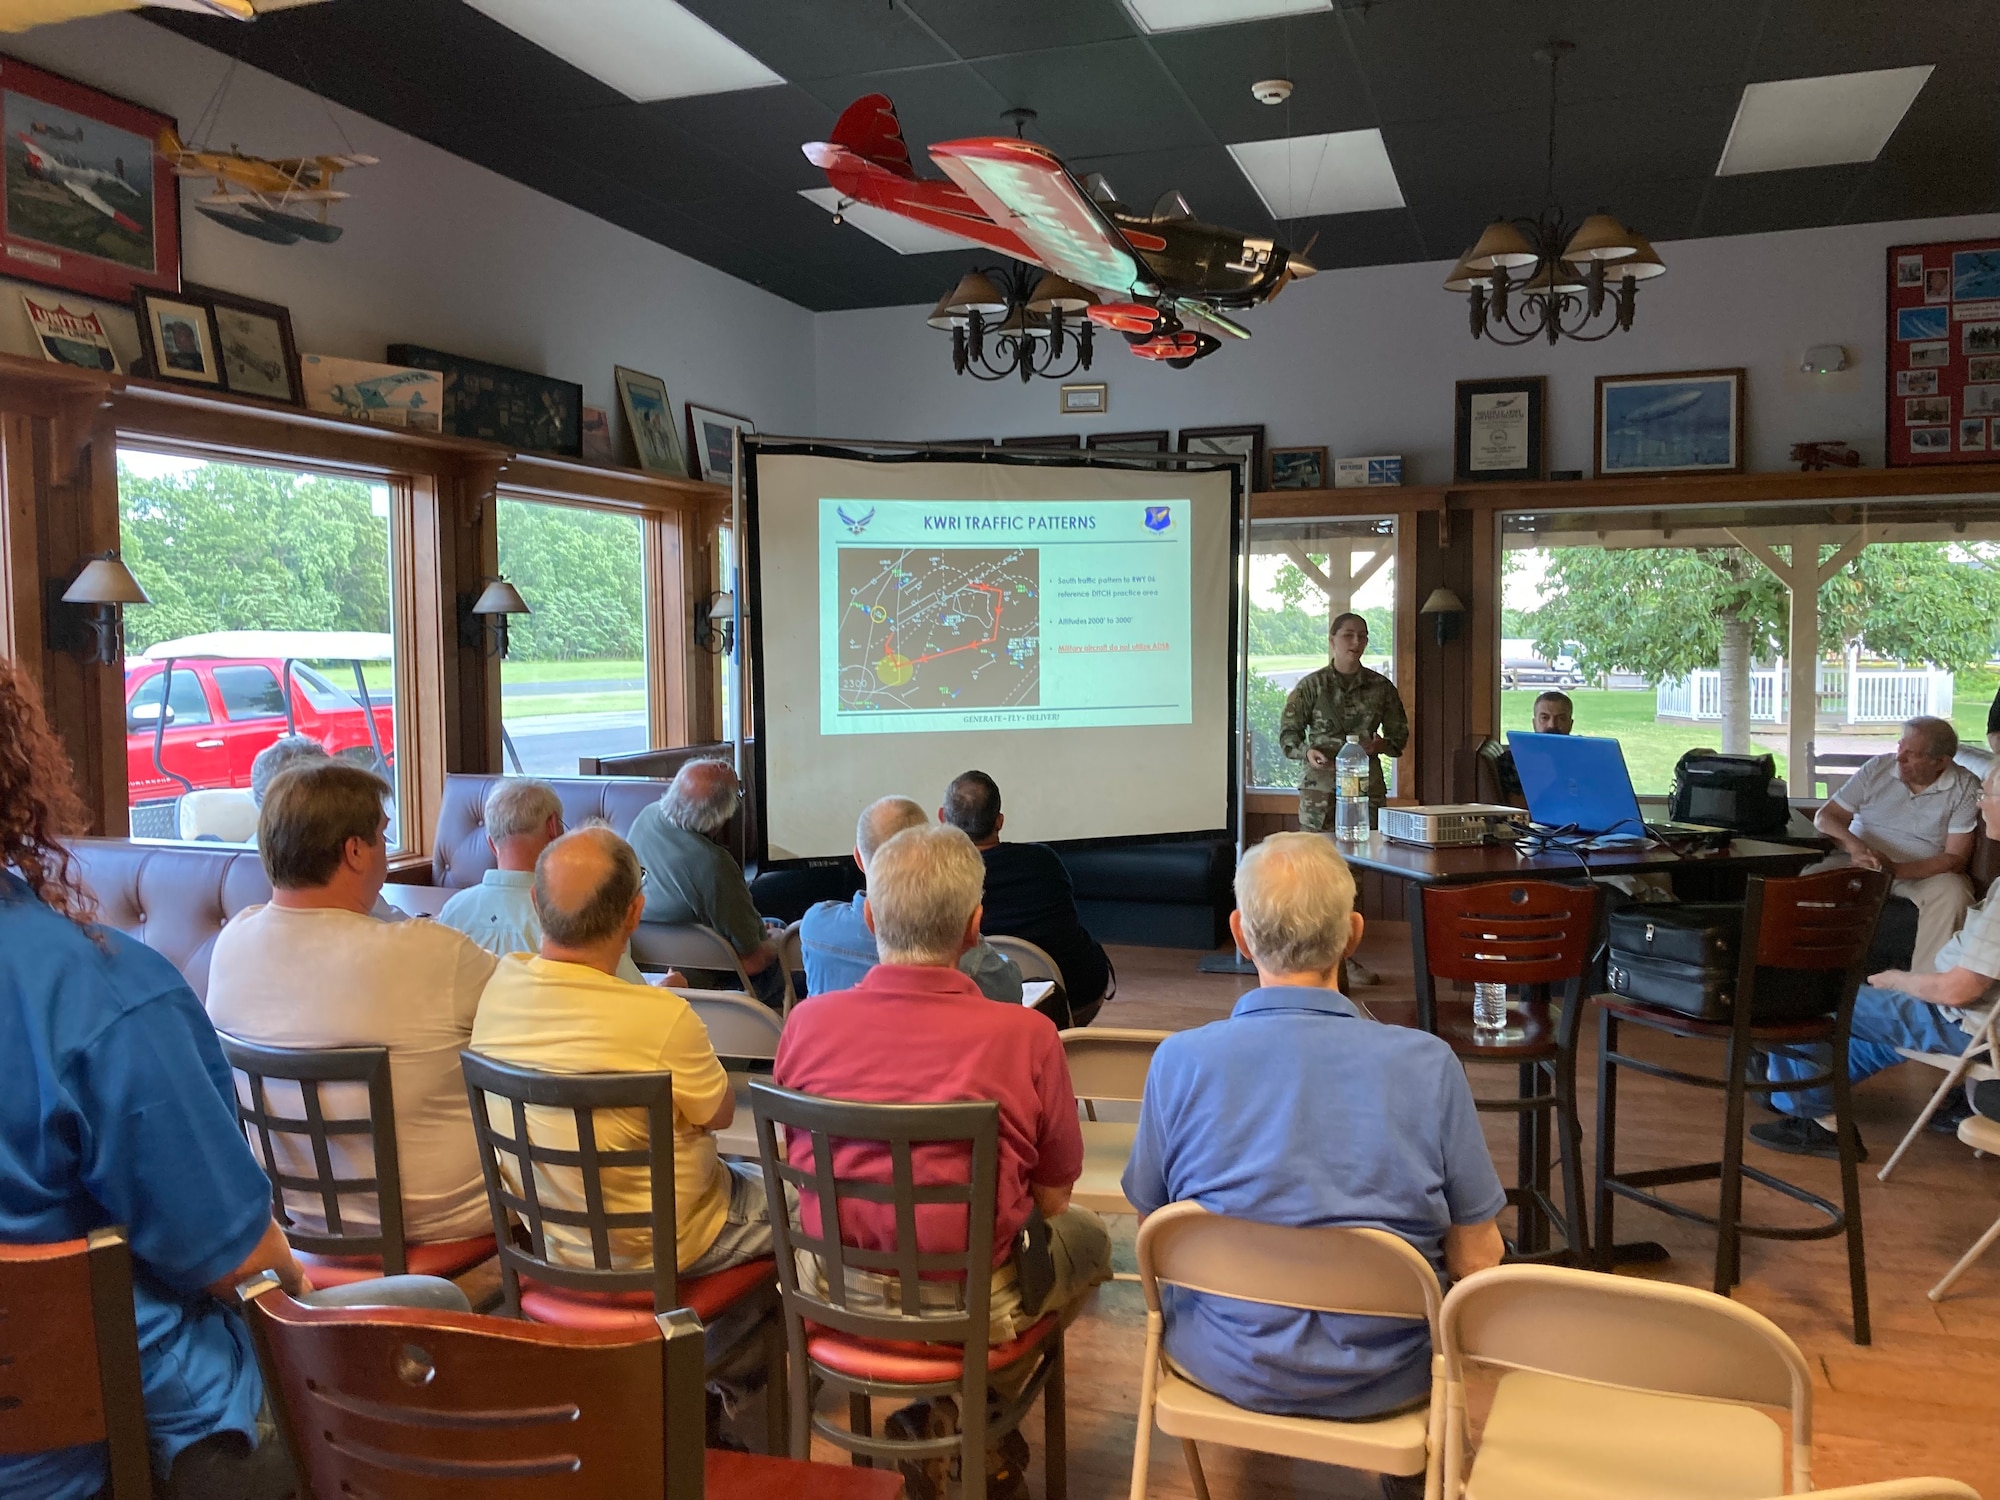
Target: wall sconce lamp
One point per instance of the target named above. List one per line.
(1446, 609)
(103, 588)
(482, 622)
(715, 624)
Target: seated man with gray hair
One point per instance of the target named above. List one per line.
(523, 817)
(839, 949)
(1300, 1110)
(286, 751)
(917, 1030)
(565, 1010)
(689, 877)
(1912, 813)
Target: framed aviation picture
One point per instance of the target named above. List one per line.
(1944, 353)
(1683, 422)
(86, 203)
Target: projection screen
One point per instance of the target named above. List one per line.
(1068, 627)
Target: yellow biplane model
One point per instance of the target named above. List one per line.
(23, 15)
(282, 201)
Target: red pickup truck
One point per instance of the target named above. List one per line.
(228, 699)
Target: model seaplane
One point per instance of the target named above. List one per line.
(282, 201)
(1164, 278)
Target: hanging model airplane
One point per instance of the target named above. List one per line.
(86, 182)
(1158, 273)
(282, 201)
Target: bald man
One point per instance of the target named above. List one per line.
(566, 1011)
(835, 939)
(690, 877)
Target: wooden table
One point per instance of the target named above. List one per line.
(1707, 874)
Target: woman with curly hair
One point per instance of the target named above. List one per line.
(119, 1109)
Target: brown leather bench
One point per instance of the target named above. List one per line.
(174, 898)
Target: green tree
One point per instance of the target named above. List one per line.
(229, 547)
(581, 575)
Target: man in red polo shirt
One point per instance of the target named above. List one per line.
(916, 1030)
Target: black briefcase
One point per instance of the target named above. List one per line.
(1684, 958)
(1708, 994)
(1702, 935)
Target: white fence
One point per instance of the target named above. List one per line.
(1848, 694)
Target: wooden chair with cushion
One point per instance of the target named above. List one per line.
(891, 1352)
(303, 1143)
(744, 1033)
(1618, 1386)
(533, 1282)
(1536, 937)
(1107, 1063)
(69, 1356)
(1804, 950)
(1355, 1271)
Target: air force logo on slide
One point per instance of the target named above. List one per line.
(1159, 517)
(855, 524)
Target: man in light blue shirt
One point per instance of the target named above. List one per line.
(1300, 1110)
(523, 818)
(837, 945)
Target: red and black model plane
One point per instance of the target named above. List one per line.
(1164, 277)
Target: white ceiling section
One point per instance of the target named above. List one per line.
(904, 236)
(1186, 15)
(1818, 122)
(1308, 175)
(645, 49)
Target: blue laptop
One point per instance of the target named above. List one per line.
(1577, 781)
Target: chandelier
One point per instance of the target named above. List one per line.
(1006, 320)
(1546, 278)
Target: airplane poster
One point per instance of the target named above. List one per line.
(1952, 364)
(1687, 421)
(84, 202)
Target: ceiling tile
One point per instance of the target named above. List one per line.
(763, 130)
(1217, 67)
(1204, 175)
(824, 38)
(934, 104)
(640, 146)
(1105, 97)
(979, 28)
(1366, 239)
(1778, 200)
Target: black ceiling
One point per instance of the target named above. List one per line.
(1648, 97)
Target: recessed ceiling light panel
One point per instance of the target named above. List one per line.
(904, 236)
(1347, 172)
(1185, 15)
(645, 49)
(1818, 122)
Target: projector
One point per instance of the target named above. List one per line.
(1446, 827)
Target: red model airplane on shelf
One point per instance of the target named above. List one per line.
(1156, 273)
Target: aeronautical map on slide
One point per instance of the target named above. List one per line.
(952, 615)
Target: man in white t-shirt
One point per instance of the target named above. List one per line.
(313, 969)
(1936, 1010)
(1913, 814)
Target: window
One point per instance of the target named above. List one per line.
(290, 567)
(250, 693)
(1302, 573)
(574, 682)
(1671, 629)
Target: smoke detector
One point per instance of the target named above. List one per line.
(1272, 90)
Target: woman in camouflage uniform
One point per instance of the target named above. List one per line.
(1340, 699)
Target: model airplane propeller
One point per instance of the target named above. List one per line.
(280, 200)
(1165, 278)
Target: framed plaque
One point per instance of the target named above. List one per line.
(1498, 430)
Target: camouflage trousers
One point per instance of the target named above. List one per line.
(1316, 809)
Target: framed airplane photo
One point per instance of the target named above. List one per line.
(86, 203)
(1683, 422)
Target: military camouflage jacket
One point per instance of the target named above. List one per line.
(1325, 708)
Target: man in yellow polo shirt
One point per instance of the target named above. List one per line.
(566, 1011)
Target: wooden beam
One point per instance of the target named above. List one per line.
(1765, 554)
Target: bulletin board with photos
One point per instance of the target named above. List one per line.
(1944, 353)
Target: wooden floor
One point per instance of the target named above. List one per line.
(1923, 1399)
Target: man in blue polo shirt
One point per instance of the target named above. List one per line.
(835, 940)
(1298, 1110)
(118, 1110)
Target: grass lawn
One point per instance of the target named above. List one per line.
(1651, 748)
(629, 700)
(379, 675)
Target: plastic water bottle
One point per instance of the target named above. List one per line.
(1350, 804)
(1489, 1007)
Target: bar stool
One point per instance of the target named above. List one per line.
(1804, 951)
(1534, 936)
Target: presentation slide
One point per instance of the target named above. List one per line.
(1064, 627)
(1050, 615)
